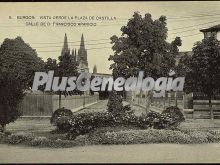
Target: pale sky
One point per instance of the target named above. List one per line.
(184, 19)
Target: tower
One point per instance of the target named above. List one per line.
(82, 57)
(95, 69)
(65, 48)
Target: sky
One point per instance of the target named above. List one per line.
(184, 19)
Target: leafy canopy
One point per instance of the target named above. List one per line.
(143, 46)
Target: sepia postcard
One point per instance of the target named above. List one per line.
(110, 82)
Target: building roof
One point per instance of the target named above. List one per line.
(211, 29)
(189, 53)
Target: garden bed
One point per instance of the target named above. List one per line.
(114, 135)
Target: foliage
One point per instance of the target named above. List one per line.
(143, 46)
(60, 118)
(149, 119)
(173, 116)
(204, 73)
(183, 66)
(115, 103)
(116, 135)
(86, 122)
(18, 138)
(170, 118)
(203, 77)
(126, 108)
(51, 64)
(66, 67)
(83, 123)
(19, 62)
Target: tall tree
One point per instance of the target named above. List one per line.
(204, 69)
(143, 47)
(67, 67)
(18, 64)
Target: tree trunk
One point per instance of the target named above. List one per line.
(211, 109)
(59, 99)
(176, 98)
(3, 128)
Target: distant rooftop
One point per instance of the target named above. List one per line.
(211, 29)
(189, 53)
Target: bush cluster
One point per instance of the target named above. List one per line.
(85, 122)
(170, 118)
(82, 123)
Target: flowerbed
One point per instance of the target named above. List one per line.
(116, 136)
(82, 123)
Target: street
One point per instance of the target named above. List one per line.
(143, 153)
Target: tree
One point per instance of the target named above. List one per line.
(114, 103)
(18, 64)
(183, 67)
(51, 64)
(67, 67)
(143, 47)
(204, 73)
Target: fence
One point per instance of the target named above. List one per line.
(202, 111)
(45, 105)
(160, 103)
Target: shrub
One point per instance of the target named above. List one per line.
(85, 122)
(63, 124)
(168, 119)
(38, 141)
(60, 118)
(172, 117)
(126, 108)
(18, 138)
(115, 103)
(149, 120)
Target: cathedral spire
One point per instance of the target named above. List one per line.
(65, 45)
(82, 45)
(95, 69)
(65, 49)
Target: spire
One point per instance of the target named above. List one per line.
(95, 69)
(82, 45)
(65, 45)
(65, 48)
